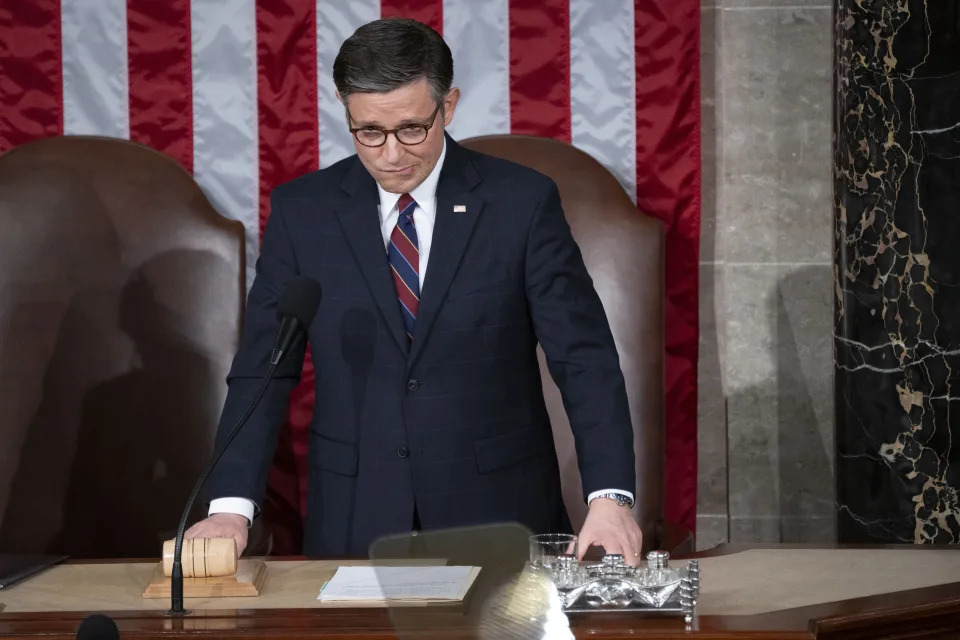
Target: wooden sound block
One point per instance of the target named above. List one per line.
(247, 581)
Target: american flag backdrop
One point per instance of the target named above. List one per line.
(240, 93)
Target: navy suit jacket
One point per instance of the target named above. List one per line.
(454, 422)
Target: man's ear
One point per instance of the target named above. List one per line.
(340, 98)
(450, 105)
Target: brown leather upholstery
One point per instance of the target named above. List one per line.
(623, 251)
(121, 293)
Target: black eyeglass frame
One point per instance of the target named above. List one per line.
(386, 132)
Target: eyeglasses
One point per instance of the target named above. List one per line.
(408, 134)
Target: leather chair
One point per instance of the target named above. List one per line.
(121, 299)
(624, 252)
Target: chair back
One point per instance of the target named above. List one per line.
(623, 252)
(121, 299)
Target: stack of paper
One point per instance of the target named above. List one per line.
(425, 584)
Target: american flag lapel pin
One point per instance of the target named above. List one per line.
(459, 208)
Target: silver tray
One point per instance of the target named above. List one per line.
(612, 586)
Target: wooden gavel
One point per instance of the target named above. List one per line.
(203, 557)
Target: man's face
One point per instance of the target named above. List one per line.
(398, 167)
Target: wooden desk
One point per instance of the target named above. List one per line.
(782, 592)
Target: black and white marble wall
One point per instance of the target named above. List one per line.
(897, 270)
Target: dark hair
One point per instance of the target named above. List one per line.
(384, 55)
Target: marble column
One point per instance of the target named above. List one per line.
(897, 270)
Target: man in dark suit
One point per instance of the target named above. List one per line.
(442, 269)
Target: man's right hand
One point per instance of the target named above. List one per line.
(221, 525)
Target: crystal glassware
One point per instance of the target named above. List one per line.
(546, 548)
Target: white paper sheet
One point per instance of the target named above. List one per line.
(399, 583)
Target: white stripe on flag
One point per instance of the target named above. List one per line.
(336, 21)
(225, 154)
(602, 82)
(479, 37)
(96, 93)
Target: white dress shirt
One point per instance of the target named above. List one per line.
(424, 216)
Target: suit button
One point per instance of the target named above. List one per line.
(413, 385)
(403, 452)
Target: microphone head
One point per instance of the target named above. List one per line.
(98, 627)
(300, 300)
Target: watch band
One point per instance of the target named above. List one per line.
(619, 498)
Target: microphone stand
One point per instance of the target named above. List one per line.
(176, 577)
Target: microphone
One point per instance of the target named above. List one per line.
(98, 627)
(295, 311)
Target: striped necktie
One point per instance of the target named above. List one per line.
(404, 257)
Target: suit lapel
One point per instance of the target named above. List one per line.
(457, 213)
(361, 224)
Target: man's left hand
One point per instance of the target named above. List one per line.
(612, 527)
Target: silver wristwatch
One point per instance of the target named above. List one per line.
(619, 498)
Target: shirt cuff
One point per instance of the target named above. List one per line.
(602, 491)
(239, 506)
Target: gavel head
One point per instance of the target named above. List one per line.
(203, 557)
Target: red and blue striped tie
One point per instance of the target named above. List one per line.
(404, 256)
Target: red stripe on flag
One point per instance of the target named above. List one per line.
(31, 84)
(667, 48)
(540, 68)
(286, 94)
(288, 139)
(161, 86)
(429, 12)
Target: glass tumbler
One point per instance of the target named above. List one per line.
(545, 548)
